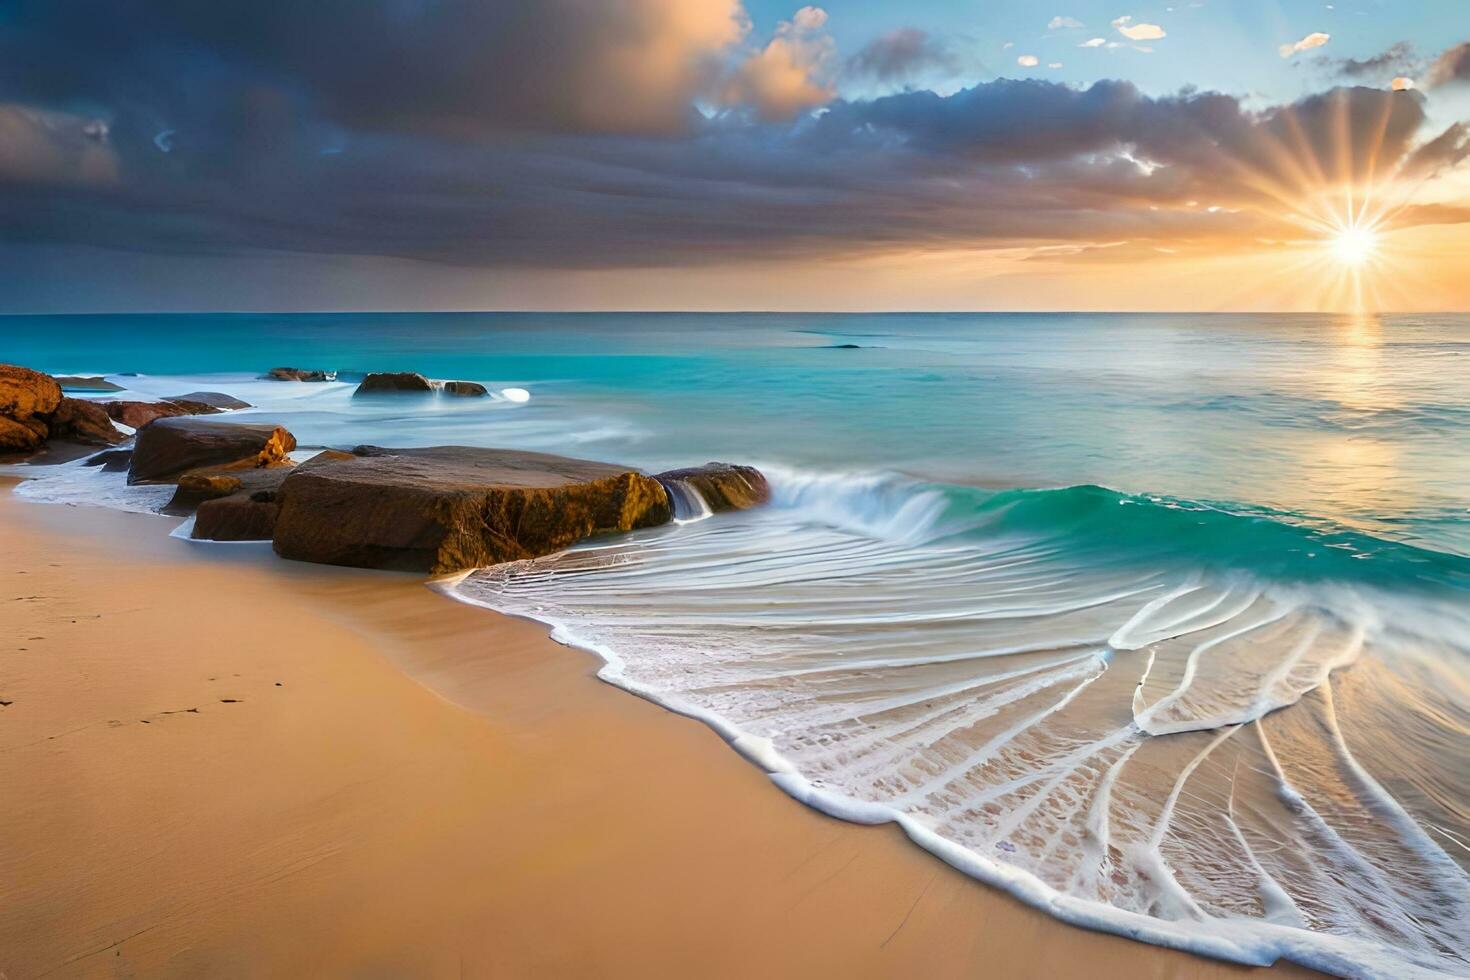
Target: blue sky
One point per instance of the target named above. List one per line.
(1228, 45)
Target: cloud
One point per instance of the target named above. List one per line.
(1059, 22)
(902, 55)
(809, 19)
(53, 148)
(290, 142)
(460, 67)
(998, 162)
(790, 74)
(1028, 61)
(1445, 151)
(1095, 42)
(1451, 67)
(1313, 40)
(1401, 84)
(1138, 32)
(1398, 58)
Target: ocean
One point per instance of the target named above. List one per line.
(1160, 622)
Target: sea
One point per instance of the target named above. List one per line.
(1159, 622)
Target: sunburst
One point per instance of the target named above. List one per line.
(1355, 246)
(1347, 200)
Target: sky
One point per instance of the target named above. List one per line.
(165, 155)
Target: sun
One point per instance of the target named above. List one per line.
(1354, 246)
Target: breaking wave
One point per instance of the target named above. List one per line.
(1237, 732)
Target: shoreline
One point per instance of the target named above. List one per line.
(380, 779)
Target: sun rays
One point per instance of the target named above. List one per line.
(1345, 196)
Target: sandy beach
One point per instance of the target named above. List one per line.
(216, 763)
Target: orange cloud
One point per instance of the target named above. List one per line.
(790, 74)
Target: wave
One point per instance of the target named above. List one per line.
(1227, 730)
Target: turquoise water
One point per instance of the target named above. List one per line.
(1160, 622)
(1359, 421)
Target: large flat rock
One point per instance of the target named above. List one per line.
(451, 508)
(167, 448)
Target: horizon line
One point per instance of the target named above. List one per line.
(731, 312)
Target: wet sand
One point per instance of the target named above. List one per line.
(215, 763)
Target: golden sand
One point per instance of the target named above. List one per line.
(216, 763)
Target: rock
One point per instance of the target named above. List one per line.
(111, 460)
(21, 436)
(213, 482)
(385, 383)
(71, 382)
(724, 486)
(25, 393)
(299, 374)
(193, 407)
(235, 505)
(135, 415)
(169, 447)
(238, 517)
(82, 421)
(214, 399)
(450, 508)
(465, 388)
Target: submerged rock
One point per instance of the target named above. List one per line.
(390, 383)
(71, 382)
(299, 374)
(111, 460)
(27, 398)
(450, 508)
(169, 447)
(140, 413)
(81, 421)
(472, 389)
(213, 399)
(723, 486)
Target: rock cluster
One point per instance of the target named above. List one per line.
(299, 374)
(391, 383)
(438, 510)
(33, 410)
(409, 382)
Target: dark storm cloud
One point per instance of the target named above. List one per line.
(457, 66)
(563, 134)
